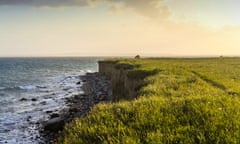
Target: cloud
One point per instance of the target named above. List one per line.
(150, 8)
(49, 3)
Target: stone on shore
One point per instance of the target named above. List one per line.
(96, 89)
(54, 125)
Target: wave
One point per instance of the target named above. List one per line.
(88, 71)
(68, 80)
(6, 88)
(45, 84)
(30, 87)
(26, 87)
(2, 88)
(39, 86)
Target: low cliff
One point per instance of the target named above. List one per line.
(122, 86)
(126, 78)
(175, 106)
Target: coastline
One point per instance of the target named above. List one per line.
(96, 88)
(171, 104)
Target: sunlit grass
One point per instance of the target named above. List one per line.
(185, 101)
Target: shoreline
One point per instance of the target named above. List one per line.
(96, 88)
(162, 100)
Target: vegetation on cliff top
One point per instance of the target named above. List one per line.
(184, 101)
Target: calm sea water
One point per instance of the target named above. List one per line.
(30, 87)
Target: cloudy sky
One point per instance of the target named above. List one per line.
(119, 27)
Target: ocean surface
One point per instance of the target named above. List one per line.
(31, 87)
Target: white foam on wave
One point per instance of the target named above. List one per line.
(30, 87)
(88, 71)
(14, 125)
(2, 88)
(50, 96)
(40, 96)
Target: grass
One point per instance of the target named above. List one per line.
(185, 101)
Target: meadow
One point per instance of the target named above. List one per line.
(184, 101)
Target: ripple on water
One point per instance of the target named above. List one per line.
(20, 115)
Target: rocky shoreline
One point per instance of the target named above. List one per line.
(96, 89)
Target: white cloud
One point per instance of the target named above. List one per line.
(150, 8)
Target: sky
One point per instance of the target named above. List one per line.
(36, 28)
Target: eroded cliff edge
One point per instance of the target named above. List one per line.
(126, 78)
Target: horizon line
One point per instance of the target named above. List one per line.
(128, 56)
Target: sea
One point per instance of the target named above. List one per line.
(32, 87)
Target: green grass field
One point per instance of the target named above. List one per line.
(185, 101)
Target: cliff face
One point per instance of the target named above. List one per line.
(123, 87)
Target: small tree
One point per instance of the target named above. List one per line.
(137, 57)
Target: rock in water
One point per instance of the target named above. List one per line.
(54, 125)
(54, 115)
(23, 99)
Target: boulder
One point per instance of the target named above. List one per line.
(54, 115)
(54, 125)
(23, 99)
(43, 103)
(49, 111)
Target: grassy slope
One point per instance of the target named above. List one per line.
(186, 101)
